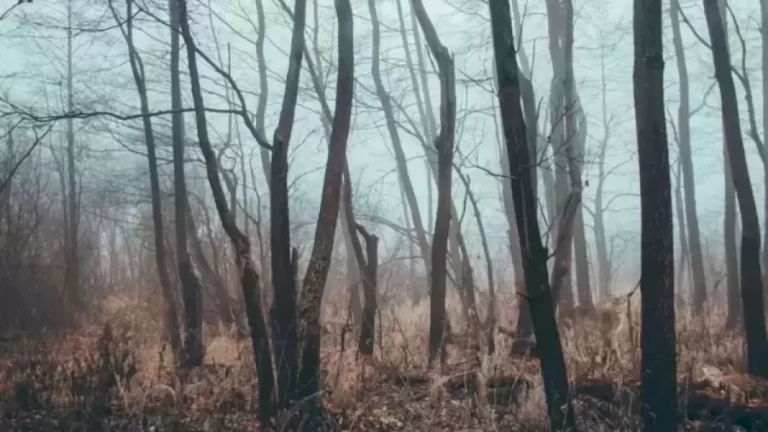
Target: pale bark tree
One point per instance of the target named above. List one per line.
(658, 358)
(534, 254)
(751, 280)
(686, 163)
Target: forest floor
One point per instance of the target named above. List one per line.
(81, 380)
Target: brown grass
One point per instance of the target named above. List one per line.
(76, 380)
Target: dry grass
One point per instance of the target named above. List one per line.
(73, 381)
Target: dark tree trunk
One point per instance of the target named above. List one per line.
(657, 340)
(190, 285)
(534, 254)
(444, 143)
(283, 317)
(137, 69)
(686, 161)
(249, 278)
(751, 280)
(322, 250)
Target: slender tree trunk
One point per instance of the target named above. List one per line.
(319, 263)
(583, 286)
(601, 244)
(534, 254)
(137, 69)
(444, 144)
(190, 284)
(764, 38)
(751, 280)
(658, 391)
(430, 134)
(248, 276)
(73, 257)
(734, 314)
(684, 261)
(400, 159)
(686, 161)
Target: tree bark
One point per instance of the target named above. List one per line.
(751, 280)
(657, 341)
(248, 275)
(137, 69)
(534, 254)
(283, 315)
(322, 250)
(190, 285)
(686, 161)
(764, 45)
(444, 144)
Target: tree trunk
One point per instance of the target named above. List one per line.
(534, 254)
(283, 314)
(657, 339)
(751, 280)
(248, 276)
(400, 159)
(601, 244)
(137, 69)
(444, 143)
(764, 38)
(686, 161)
(429, 135)
(583, 286)
(684, 261)
(734, 311)
(72, 267)
(319, 263)
(190, 285)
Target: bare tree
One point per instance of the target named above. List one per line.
(686, 164)
(534, 254)
(657, 341)
(248, 275)
(72, 261)
(190, 284)
(751, 281)
(319, 263)
(138, 72)
(444, 143)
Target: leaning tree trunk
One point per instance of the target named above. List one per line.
(249, 277)
(319, 263)
(444, 143)
(400, 158)
(657, 341)
(137, 69)
(538, 294)
(751, 280)
(686, 161)
(190, 285)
